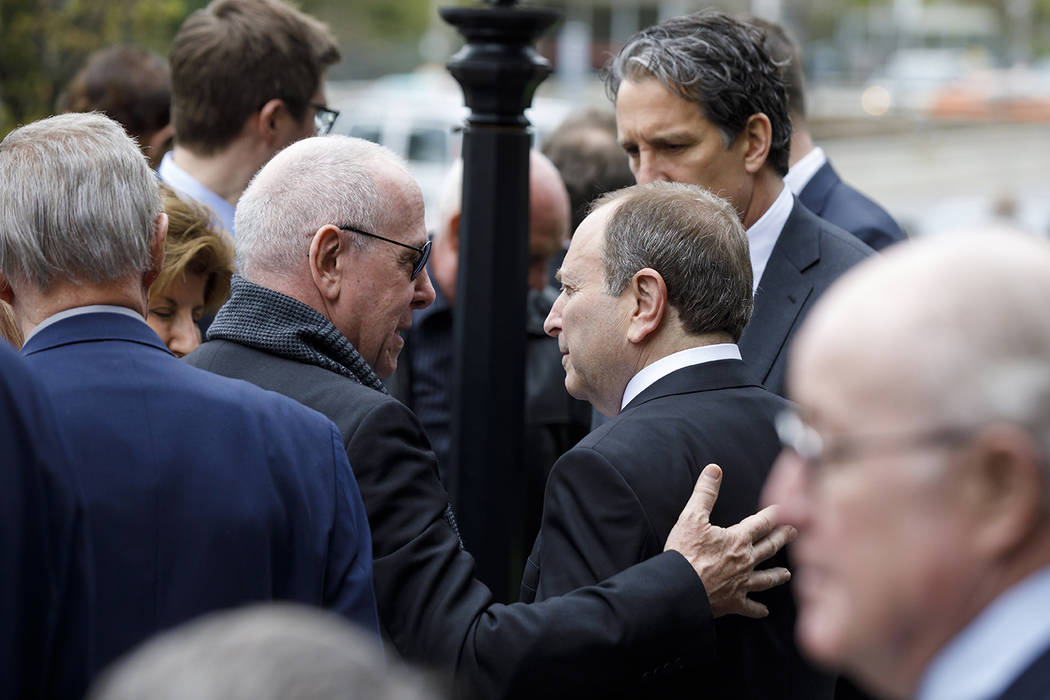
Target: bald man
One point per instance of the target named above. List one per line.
(917, 471)
(554, 421)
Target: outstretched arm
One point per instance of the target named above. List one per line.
(725, 558)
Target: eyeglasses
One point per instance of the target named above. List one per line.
(795, 435)
(424, 252)
(324, 118)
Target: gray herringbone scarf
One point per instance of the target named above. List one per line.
(280, 325)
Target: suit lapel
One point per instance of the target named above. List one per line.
(706, 376)
(782, 292)
(817, 191)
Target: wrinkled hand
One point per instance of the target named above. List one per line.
(725, 558)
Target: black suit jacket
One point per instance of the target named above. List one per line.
(612, 500)
(827, 196)
(586, 644)
(809, 255)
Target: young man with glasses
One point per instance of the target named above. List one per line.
(247, 80)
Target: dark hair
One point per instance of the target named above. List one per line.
(696, 242)
(127, 84)
(784, 50)
(585, 151)
(231, 57)
(719, 64)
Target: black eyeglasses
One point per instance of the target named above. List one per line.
(424, 252)
(324, 118)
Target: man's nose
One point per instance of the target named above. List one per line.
(787, 488)
(552, 325)
(423, 294)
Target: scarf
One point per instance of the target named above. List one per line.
(280, 325)
(277, 324)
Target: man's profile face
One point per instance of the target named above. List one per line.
(379, 292)
(882, 540)
(589, 324)
(667, 138)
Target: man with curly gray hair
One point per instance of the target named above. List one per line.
(699, 100)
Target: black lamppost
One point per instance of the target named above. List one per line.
(498, 71)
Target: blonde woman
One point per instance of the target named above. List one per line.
(195, 279)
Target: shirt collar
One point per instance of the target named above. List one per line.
(995, 647)
(676, 361)
(763, 234)
(181, 181)
(803, 171)
(81, 310)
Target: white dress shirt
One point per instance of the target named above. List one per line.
(995, 648)
(184, 183)
(803, 171)
(763, 234)
(81, 310)
(675, 361)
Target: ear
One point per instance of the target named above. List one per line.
(649, 298)
(6, 292)
(267, 122)
(1005, 488)
(326, 270)
(156, 250)
(453, 232)
(755, 141)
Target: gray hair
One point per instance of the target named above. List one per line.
(716, 62)
(696, 242)
(263, 652)
(336, 180)
(78, 202)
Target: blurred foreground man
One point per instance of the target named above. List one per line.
(698, 100)
(333, 251)
(656, 289)
(200, 493)
(917, 471)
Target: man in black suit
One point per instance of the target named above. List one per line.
(698, 100)
(333, 249)
(656, 289)
(917, 471)
(811, 176)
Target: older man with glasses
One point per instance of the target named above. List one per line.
(917, 471)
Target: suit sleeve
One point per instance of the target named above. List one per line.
(349, 588)
(586, 643)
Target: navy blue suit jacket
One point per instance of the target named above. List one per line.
(201, 492)
(1033, 683)
(808, 256)
(45, 577)
(827, 196)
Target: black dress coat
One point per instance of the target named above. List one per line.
(612, 500)
(587, 644)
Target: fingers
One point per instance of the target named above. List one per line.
(773, 543)
(705, 492)
(764, 579)
(752, 608)
(760, 524)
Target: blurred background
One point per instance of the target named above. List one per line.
(938, 110)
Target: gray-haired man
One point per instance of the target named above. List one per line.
(698, 100)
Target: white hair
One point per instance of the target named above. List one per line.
(262, 652)
(78, 201)
(336, 180)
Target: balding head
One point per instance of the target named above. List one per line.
(549, 219)
(918, 475)
(337, 223)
